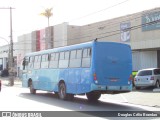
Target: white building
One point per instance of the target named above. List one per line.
(140, 30)
(4, 56)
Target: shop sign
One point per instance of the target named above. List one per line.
(151, 21)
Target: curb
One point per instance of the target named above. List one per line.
(156, 90)
(6, 83)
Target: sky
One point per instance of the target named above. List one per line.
(26, 13)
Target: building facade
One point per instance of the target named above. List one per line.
(4, 57)
(140, 30)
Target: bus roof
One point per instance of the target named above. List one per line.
(58, 49)
(70, 47)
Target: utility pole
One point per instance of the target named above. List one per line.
(11, 65)
(11, 72)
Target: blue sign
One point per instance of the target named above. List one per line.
(151, 21)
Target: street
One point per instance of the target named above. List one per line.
(17, 98)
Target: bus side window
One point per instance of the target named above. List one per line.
(75, 59)
(31, 60)
(54, 57)
(37, 62)
(86, 57)
(44, 61)
(64, 59)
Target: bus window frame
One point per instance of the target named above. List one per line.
(71, 60)
(44, 62)
(31, 63)
(61, 66)
(90, 57)
(37, 62)
(53, 60)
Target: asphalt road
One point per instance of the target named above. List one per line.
(145, 96)
(17, 98)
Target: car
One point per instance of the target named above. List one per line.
(147, 77)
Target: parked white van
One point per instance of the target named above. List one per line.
(147, 77)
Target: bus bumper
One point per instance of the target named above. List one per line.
(111, 88)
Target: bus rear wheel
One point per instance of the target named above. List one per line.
(93, 96)
(32, 90)
(62, 91)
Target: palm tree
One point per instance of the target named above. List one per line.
(47, 13)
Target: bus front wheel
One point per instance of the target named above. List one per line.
(93, 96)
(32, 90)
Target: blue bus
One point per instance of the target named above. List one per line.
(90, 69)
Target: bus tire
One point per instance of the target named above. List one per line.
(62, 91)
(32, 90)
(93, 96)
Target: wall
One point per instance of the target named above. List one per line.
(25, 45)
(126, 29)
(49, 37)
(144, 59)
(4, 54)
(145, 39)
(60, 35)
(73, 34)
(34, 40)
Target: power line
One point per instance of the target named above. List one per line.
(100, 10)
(114, 32)
(132, 28)
(112, 24)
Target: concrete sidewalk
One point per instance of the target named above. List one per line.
(5, 81)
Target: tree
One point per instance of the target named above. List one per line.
(47, 13)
